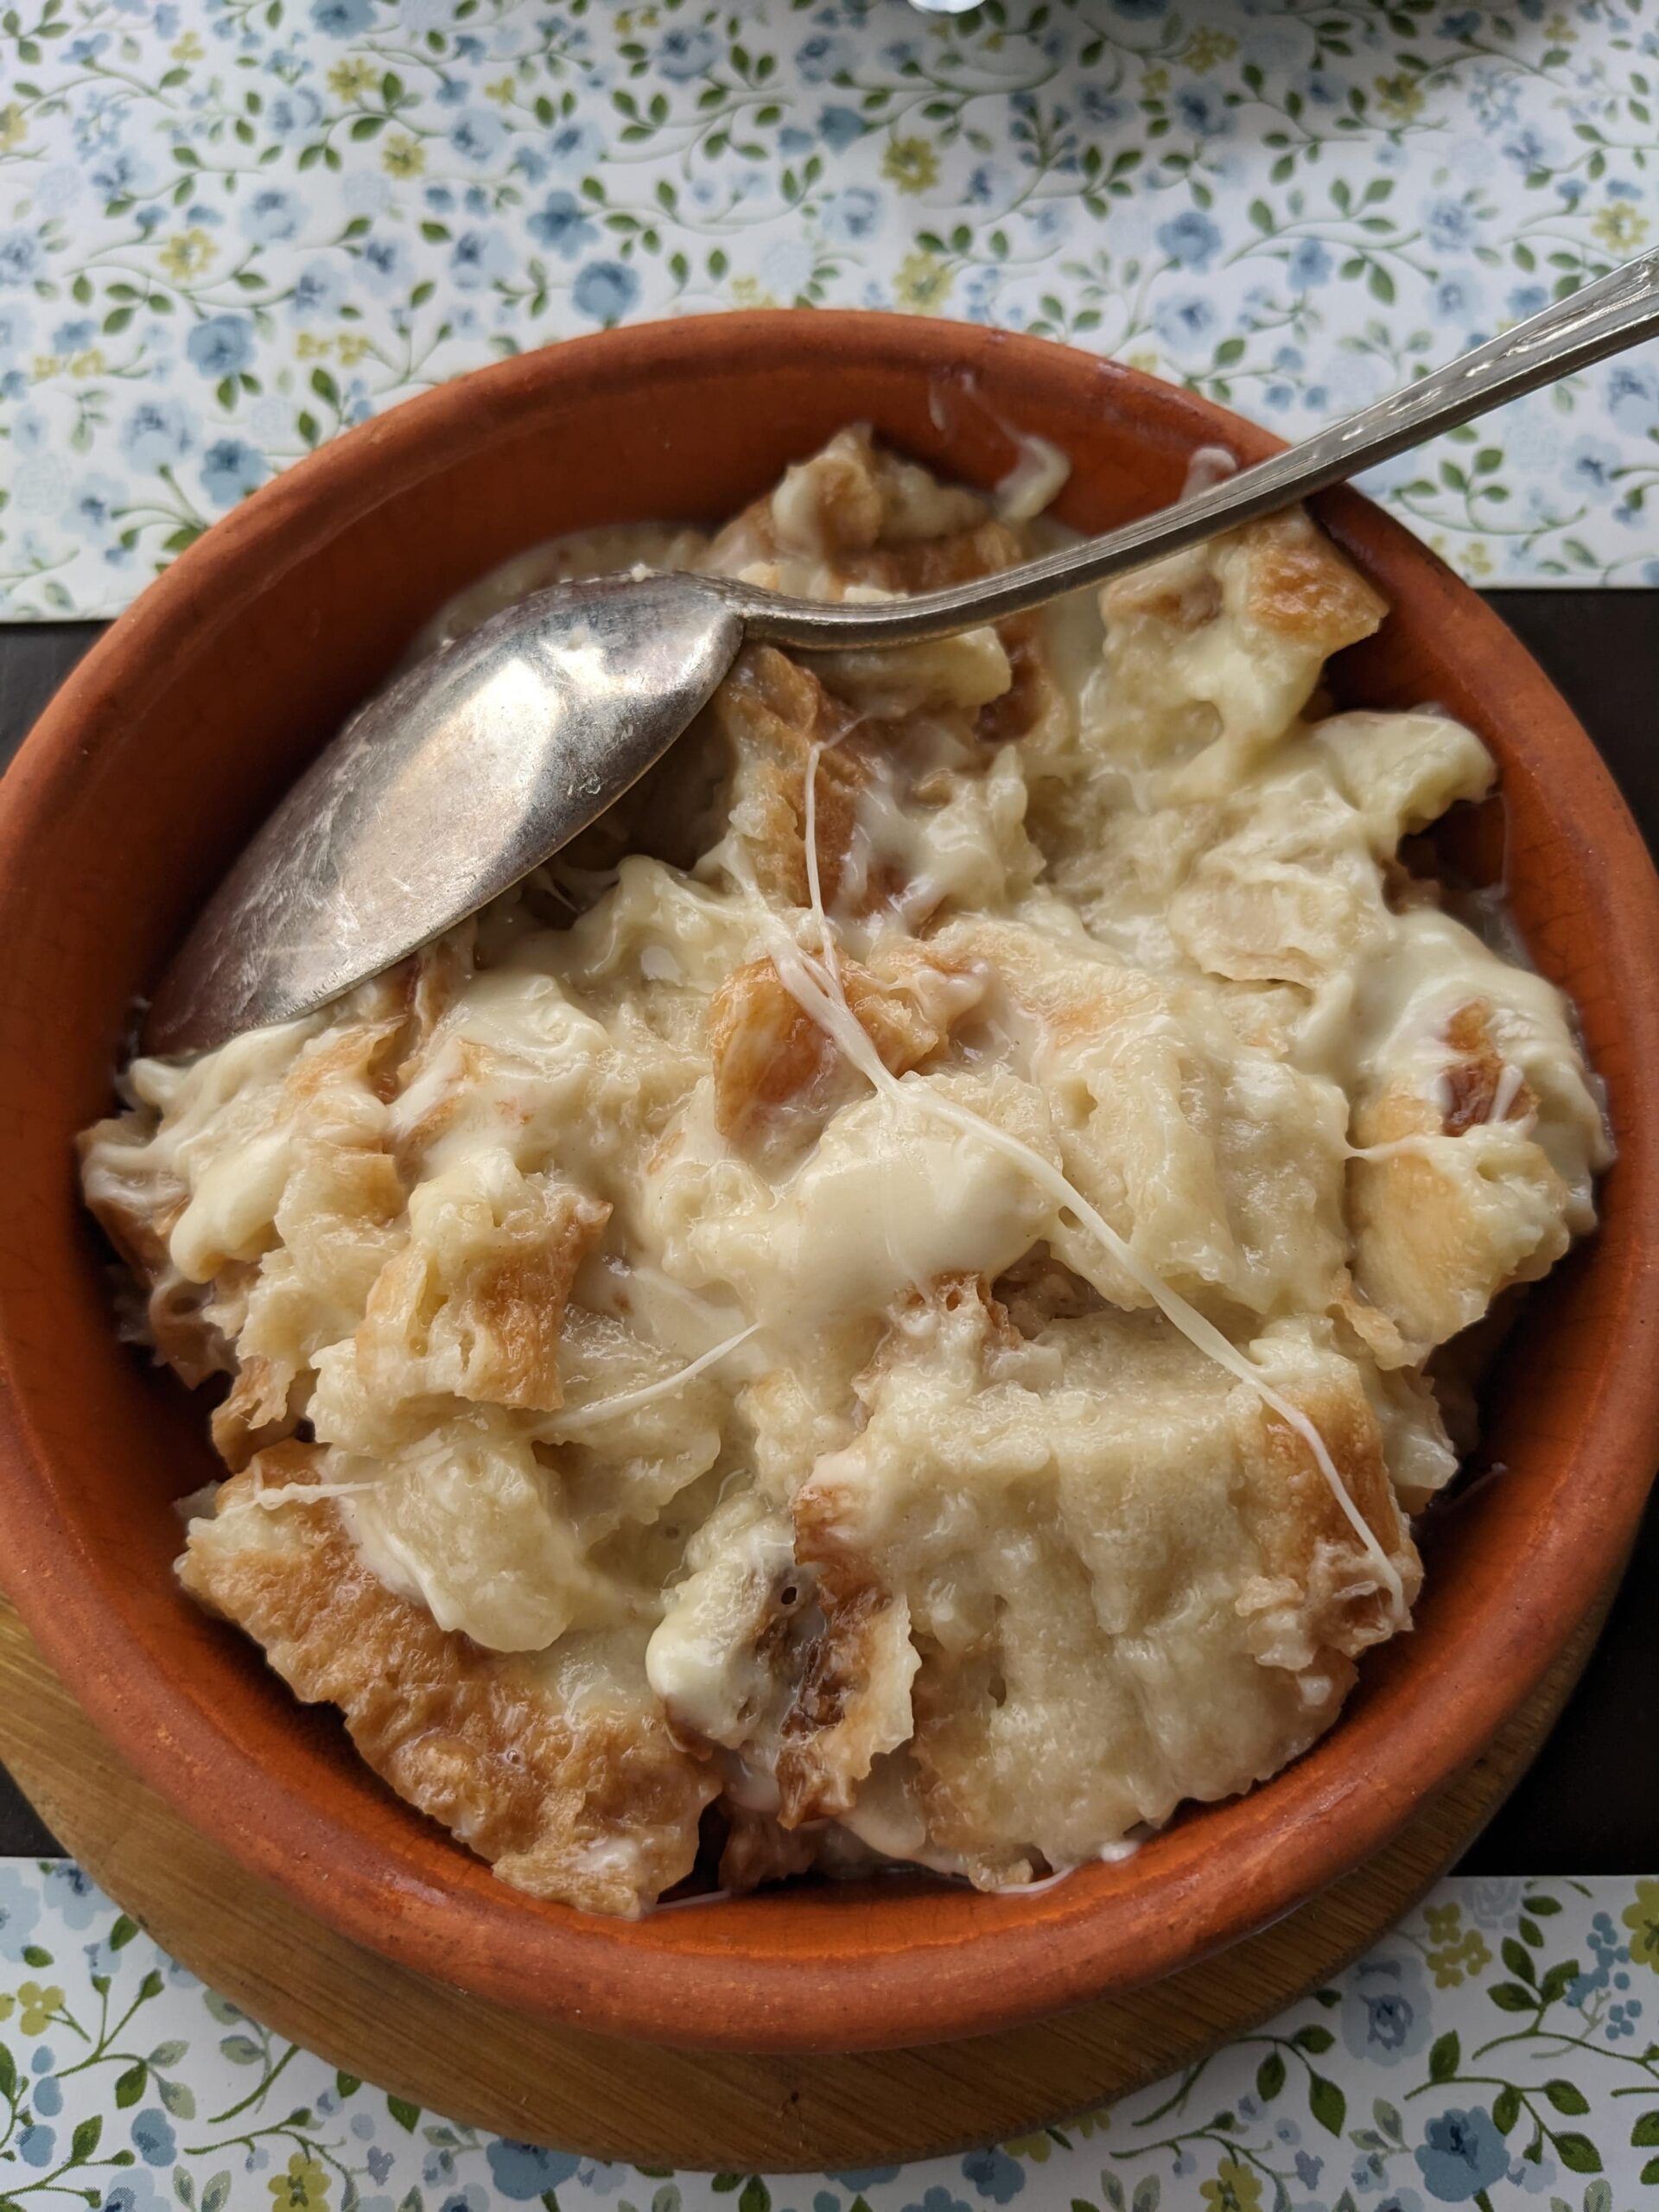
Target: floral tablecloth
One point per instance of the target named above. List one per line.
(1497, 2050)
(229, 227)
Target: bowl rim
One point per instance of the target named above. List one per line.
(686, 1977)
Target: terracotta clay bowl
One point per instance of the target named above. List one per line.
(169, 743)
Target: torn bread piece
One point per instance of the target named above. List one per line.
(1122, 1582)
(1213, 652)
(561, 1773)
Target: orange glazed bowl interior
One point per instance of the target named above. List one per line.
(170, 744)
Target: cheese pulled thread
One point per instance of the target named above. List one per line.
(891, 1286)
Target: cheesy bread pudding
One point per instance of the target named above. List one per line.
(884, 1305)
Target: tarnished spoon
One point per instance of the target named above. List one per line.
(485, 757)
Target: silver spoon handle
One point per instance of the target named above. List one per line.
(1618, 311)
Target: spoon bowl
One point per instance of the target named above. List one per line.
(462, 775)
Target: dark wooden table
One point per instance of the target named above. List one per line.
(1590, 1804)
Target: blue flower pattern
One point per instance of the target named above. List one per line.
(1386, 2009)
(1461, 2155)
(1491, 2053)
(228, 231)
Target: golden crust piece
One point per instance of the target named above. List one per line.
(1298, 586)
(1033, 698)
(1282, 574)
(935, 564)
(473, 1304)
(599, 1809)
(475, 1066)
(758, 1850)
(314, 1106)
(255, 1412)
(1474, 1077)
(853, 1702)
(1317, 1597)
(346, 1057)
(431, 980)
(849, 499)
(770, 713)
(770, 1055)
(136, 1210)
(873, 523)
(180, 1320)
(337, 1219)
(1469, 1204)
(1226, 641)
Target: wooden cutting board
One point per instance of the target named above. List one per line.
(491, 2068)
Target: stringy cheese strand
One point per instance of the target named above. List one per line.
(1507, 1091)
(627, 1401)
(308, 1493)
(1428, 1142)
(579, 1418)
(826, 935)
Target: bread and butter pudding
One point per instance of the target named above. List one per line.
(891, 1291)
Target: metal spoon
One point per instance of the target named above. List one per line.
(485, 757)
